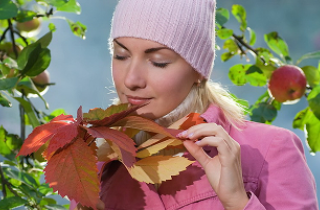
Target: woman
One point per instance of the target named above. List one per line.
(163, 53)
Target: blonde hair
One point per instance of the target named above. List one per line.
(199, 99)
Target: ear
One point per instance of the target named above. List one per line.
(199, 79)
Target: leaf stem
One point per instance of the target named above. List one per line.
(12, 38)
(22, 123)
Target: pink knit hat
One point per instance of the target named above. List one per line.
(185, 26)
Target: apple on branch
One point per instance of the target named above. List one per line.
(287, 84)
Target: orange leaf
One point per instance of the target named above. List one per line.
(140, 123)
(39, 136)
(156, 169)
(105, 152)
(108, 121)
(157, 147)
(192, 119)
(73, 173)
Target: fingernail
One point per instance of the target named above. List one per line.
(197, 142)
(190, 135)
(182, 134)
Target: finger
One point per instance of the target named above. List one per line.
(202, 130)
(100, 205)
(197, 152)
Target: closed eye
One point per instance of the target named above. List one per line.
(160, 65)
(118, 57)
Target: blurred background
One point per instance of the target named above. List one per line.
(81, 68)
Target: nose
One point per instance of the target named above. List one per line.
(136, 75)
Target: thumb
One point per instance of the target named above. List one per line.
(100, 205)
(197, 152)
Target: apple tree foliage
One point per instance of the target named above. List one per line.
(24, 55)
(258, 72)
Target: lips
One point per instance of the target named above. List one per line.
(135, 100)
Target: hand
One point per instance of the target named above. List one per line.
(100, 206)
(224, 170)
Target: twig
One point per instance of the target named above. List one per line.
(22, 37)
(12, 38)
(6, 183)
(243, 43)
(22, 123)
(4, 34)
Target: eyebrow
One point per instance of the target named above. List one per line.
(150, 50)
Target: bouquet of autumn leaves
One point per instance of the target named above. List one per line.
(72, 153)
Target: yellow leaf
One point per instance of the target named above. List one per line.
(105, 153)
(156, 169)
(157, 147)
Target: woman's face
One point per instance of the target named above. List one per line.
(148, 72)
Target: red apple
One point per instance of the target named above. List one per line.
(42, 80)
(287, 83)
(28, 26)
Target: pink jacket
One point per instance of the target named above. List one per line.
(275, 175)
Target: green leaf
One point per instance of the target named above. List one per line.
(29, 111)
(301, 119)
(25, 15)
(263, 112)
(12, 202)
(72, 6)
(231, 45)
(39, 60)
(255, 76)
(78, 29)
(241, 74)
(240, 14)
(54, 114)
(25, 54)
(277, 44)
(253, 36)
(4, 101)
(237, 74)
(7, 9)
(311, 55)
(224, 33)
(4, 149)
(222, 16)
(313, 132)
(55, 3)
(8, 83)
(45, 40)
(22, 176)
(312, 75)
(314, 101)
(47, 201)
(27, 87)
(52, 27)
(226, 56)
(45, 189)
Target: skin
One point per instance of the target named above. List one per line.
(163, 79)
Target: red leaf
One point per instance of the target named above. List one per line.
(79, 116)
(73, 173)
(63, 117)
(119, 138)
(140, 123)
(39, 136)
(63, 136)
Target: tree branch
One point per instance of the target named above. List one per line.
(5, 183)
(4, 34)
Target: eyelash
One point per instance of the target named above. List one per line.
(160, 65)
